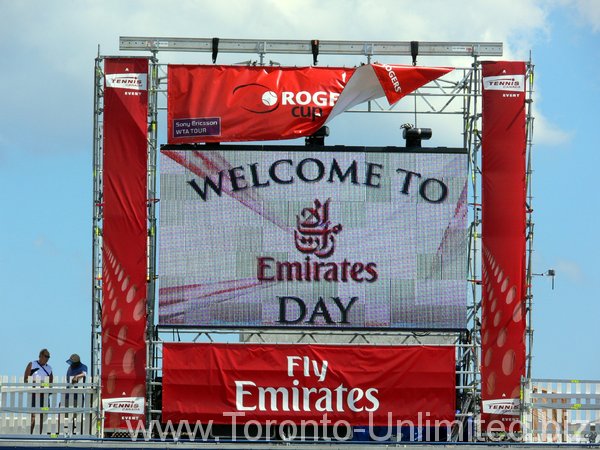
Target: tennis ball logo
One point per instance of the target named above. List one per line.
(256, 98)
(269, 98)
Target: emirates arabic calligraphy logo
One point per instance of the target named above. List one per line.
(314, 233)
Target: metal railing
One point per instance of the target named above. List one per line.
(561, 410)
(55, 409)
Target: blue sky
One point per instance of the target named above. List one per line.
(46, 95)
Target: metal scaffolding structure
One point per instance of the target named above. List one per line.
(457, 94)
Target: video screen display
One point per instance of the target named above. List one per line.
(355, 238)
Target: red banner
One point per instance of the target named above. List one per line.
(124, 231)
(503, 229)
(241, 103)
(376, 385)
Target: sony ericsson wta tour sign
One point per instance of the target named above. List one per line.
(376, 385)
(281, 238)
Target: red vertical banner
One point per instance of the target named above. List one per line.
(503, 241)
(124, 248)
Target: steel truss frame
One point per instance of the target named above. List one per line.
(460, 97)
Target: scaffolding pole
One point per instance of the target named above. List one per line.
(530, 224)
(151, 276)
(96, 332)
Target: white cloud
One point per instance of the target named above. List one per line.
(45, 245)
(571, 269)
(52, 45)
(547, 133)
(64, 35)
(587, 12)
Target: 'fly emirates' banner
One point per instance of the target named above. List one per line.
(375, 385)
(240, 103)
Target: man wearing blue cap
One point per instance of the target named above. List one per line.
(76, 372)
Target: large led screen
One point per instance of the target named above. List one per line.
(337, 237)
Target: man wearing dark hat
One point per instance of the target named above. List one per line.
(76, 372)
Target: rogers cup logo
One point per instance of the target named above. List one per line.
(260, 99)
(513, 83)
(133, 81)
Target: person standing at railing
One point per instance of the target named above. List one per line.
(76, 372)
(38, 371)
